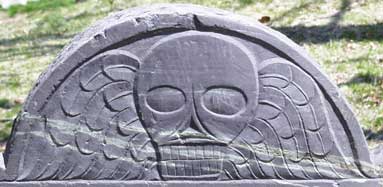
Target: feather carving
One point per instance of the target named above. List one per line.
(97, 135)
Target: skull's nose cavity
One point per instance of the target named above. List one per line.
(192, 130)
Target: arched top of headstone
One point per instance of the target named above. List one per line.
(183, 92)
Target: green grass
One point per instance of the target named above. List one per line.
(344, 36)
(33, 6)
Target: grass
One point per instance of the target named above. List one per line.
(40, 5)
(344, 36)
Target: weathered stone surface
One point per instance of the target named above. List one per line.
(181, 92)
(377, 158)
(242, 183)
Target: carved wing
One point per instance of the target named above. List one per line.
(289, 138)
(95, 135)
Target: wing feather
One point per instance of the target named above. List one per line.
(97, 135)
(290, 135)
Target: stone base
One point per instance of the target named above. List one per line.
(242, 183)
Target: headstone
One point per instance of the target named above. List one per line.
(182, 95)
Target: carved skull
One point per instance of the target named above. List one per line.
(196, 92)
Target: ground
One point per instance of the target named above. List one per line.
(344, 36)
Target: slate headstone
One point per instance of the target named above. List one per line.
(165, 94)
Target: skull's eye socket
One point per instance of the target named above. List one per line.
(224, 101)
(165, 99)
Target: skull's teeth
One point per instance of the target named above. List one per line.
(190, 167)
(191, 152)
(191, 160)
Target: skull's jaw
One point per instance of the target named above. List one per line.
(192, 162)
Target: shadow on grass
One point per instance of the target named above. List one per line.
(38, 42)
(374, 136)
(292, 11)
(30, 51)
(332, 30)
(30, 45)
(11, 108)
(326, 33)
(366, 78)
(5, 130)
(5, 103)
(33, 37)
(338, 16)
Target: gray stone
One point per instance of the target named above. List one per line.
(185, 96)
(377, 158)
(242, 183)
